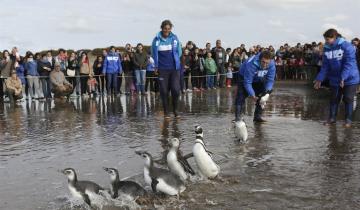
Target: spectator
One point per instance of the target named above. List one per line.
(20, 72)
(166, 51)
(127, 66)
(85, 71)
(196, 66)
(140, 64)
(13, 87)
(61, 58)
(60, 86)
(151, 76)
(112, 67)
(100, 78)
(31, 68)
(5, 67)
(73, 74)
(44, 69)
(220, 59)
(92, 85)
(229, 74)
(186, 63)
(210, 67)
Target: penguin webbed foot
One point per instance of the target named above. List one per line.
(154, 182)
(86, 199)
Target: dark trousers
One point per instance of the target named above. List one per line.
(169, 80)
(119, 82)
(242, 94)
(347, 95)
(151, 81)
(111, 83)
(46, 86)
(83, 80)
(100, 79)
(1, 89)
(186, 79)
(222, 75)
(195, 79)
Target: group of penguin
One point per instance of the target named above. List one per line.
(170, 182)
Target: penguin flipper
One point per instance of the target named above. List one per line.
(86, 198)
(188, 156)
(154, 182)
(186, 166)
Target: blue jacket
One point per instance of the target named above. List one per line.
(150, 66)
(31, 68)
(20, 71)
(166, 52)
(252, 72)
(112, 64)
(339, 63)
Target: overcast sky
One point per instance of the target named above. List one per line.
(43, 24)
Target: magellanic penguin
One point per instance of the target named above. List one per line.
(160, 179)
(176, 162)
(81, 189)
(203, 159)
(240, 130)
(128, 188)
(264, 99)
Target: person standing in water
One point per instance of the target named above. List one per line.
(256, 78)
(340, 68)
(166, 52)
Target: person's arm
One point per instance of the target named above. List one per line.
(9, 85)
(154, 53)
(349, 61)
(270, 77)
(104, 65)
(249, 73)
(324, 69)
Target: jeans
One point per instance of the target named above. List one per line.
(111, 83)
(34, 87)
(140, 80)
(46, 87)
(347, 95)
(242, 94)
(210, 79)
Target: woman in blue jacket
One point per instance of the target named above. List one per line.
(340, 68)
(166, 51)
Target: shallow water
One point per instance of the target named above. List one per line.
(291, 162)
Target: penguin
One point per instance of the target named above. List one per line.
(160, 179)
(129, 188)
(203, 159)
(81, 189)
(264, 99)
(240, 130)
(176, 162)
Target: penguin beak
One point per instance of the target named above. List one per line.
(139, 152)
(62, 171)
(106, 169)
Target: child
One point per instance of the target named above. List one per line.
(210, 67)
(229, 74)
(92, 85)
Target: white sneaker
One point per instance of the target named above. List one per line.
(188, 90)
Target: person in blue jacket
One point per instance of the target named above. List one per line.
(340, 68)
(256, 78)
(112, 68)
(166, 51)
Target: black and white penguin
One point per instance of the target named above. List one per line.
(160, 179)
(203, 159)
(86, 190)
(118, 187)
(240, 130)
(176, 162)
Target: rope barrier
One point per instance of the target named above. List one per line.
(102, 75)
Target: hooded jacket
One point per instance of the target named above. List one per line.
(252, 72)
(112, 63)
(166, 52)
(339, 63)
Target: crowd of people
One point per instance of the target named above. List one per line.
(70, 74)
